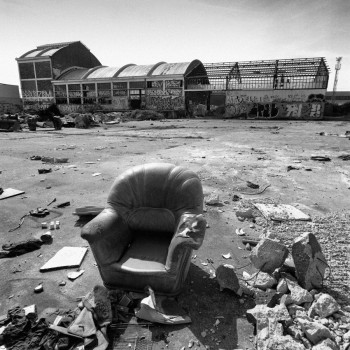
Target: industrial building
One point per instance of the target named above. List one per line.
(69, 75)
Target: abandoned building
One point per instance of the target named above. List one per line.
(10, 100)
(69, 75)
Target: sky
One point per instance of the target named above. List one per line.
(119, 32)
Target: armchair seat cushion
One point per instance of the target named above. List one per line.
(147, 254)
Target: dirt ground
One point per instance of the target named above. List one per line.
(225, 154)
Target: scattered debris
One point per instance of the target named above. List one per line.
(160, 309)
(281, 212)
(310, 263)
(324, 306)
(44, 171)
(213, 199)
(74, 274)
(96, 174)
(39, 288)
(14, 249)
(240, 232)
(321, 158)
(88, 210)
(252, 185)
(248, 214)
(10, 192)
(54, 160)
(227, 278)
(62, 205)
(53, 201)
(46, 237)
(268, 255)
(39, 212)
(65, 257)
(291, 167)
(345, 157)
(227, 256)
(236, 198)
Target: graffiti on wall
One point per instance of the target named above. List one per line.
(119, 102)
(308, 104)
(169, 99)
(173, 84)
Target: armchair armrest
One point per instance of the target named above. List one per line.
(108, 236)
(189, 234)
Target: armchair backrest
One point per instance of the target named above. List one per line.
(160, 191)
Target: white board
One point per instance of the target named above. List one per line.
(281, 212)
(66, 257)
(10, 192)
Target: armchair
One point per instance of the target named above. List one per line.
(152, 223)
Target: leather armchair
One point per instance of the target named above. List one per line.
(152, 223)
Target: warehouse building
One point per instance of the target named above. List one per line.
(38, 67)
(69, 75)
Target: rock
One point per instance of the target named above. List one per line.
(227, 278)
(30, 312)
(268, 255)
(292, 309)
(267, 297)
(82, 121)
(297, 294)
(326, 344)
(280, 342)
(346, 336)
(295, 332)
(39, 288)
(314, 331)
(279, 312)
(46, 237)
(310, 263)
(213, 199)
(282, 286)
(324, 306)
(262, 280)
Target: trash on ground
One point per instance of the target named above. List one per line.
(65, 257)
(281, 212)
(53, 201)
(321, 158)
(161, 309)
(240, 232)
(345, 157)
(44, 171)
(62, 205)
(73, 275)
(39, 212)
(88, 210)
(39, 288)
(252, 185)
(46, 237)
(96, 174)
(236, 198)
(227, 256)
(14, 249)
(10, 192)
(291, 167)
(247, 214)
(213, 199)
(54, 160)
(35, 158)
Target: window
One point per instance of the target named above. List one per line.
(104, 93)
(74, 94)
(89, 94)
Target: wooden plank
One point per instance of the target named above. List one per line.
(10, 192)
(281, 212)
(66, 257)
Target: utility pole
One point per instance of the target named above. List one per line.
(337, 68)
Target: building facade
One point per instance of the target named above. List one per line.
(38, 67)
(10, 100)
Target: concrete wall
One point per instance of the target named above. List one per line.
(276, 104)
(10, 101)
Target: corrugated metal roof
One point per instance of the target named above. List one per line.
(171, 69)
(33, 54)
(103, 72)
(46, 46)
(135, 71)
(51, 51)
(75, 74)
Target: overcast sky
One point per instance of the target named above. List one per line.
(148, 31)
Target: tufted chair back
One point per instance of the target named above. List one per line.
(152, 197)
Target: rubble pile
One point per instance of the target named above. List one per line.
(292, 311)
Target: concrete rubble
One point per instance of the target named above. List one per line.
(287, 315)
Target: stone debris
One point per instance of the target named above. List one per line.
(262, 281)
(268, 255)
(297, 294)
(213, 199)
(314, 331)
(310, 263)
(227, 278)
(326, 344)
(324, 306)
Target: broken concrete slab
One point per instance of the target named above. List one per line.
(282, 342)
(279, 312)
(310, 263)
(314, 331)
(324, 306)
(262, 280)
(268, 255)
(281, 212)
(65, 257)
(298, 295)
(10, 192)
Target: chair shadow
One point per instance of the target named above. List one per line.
(205, 304)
